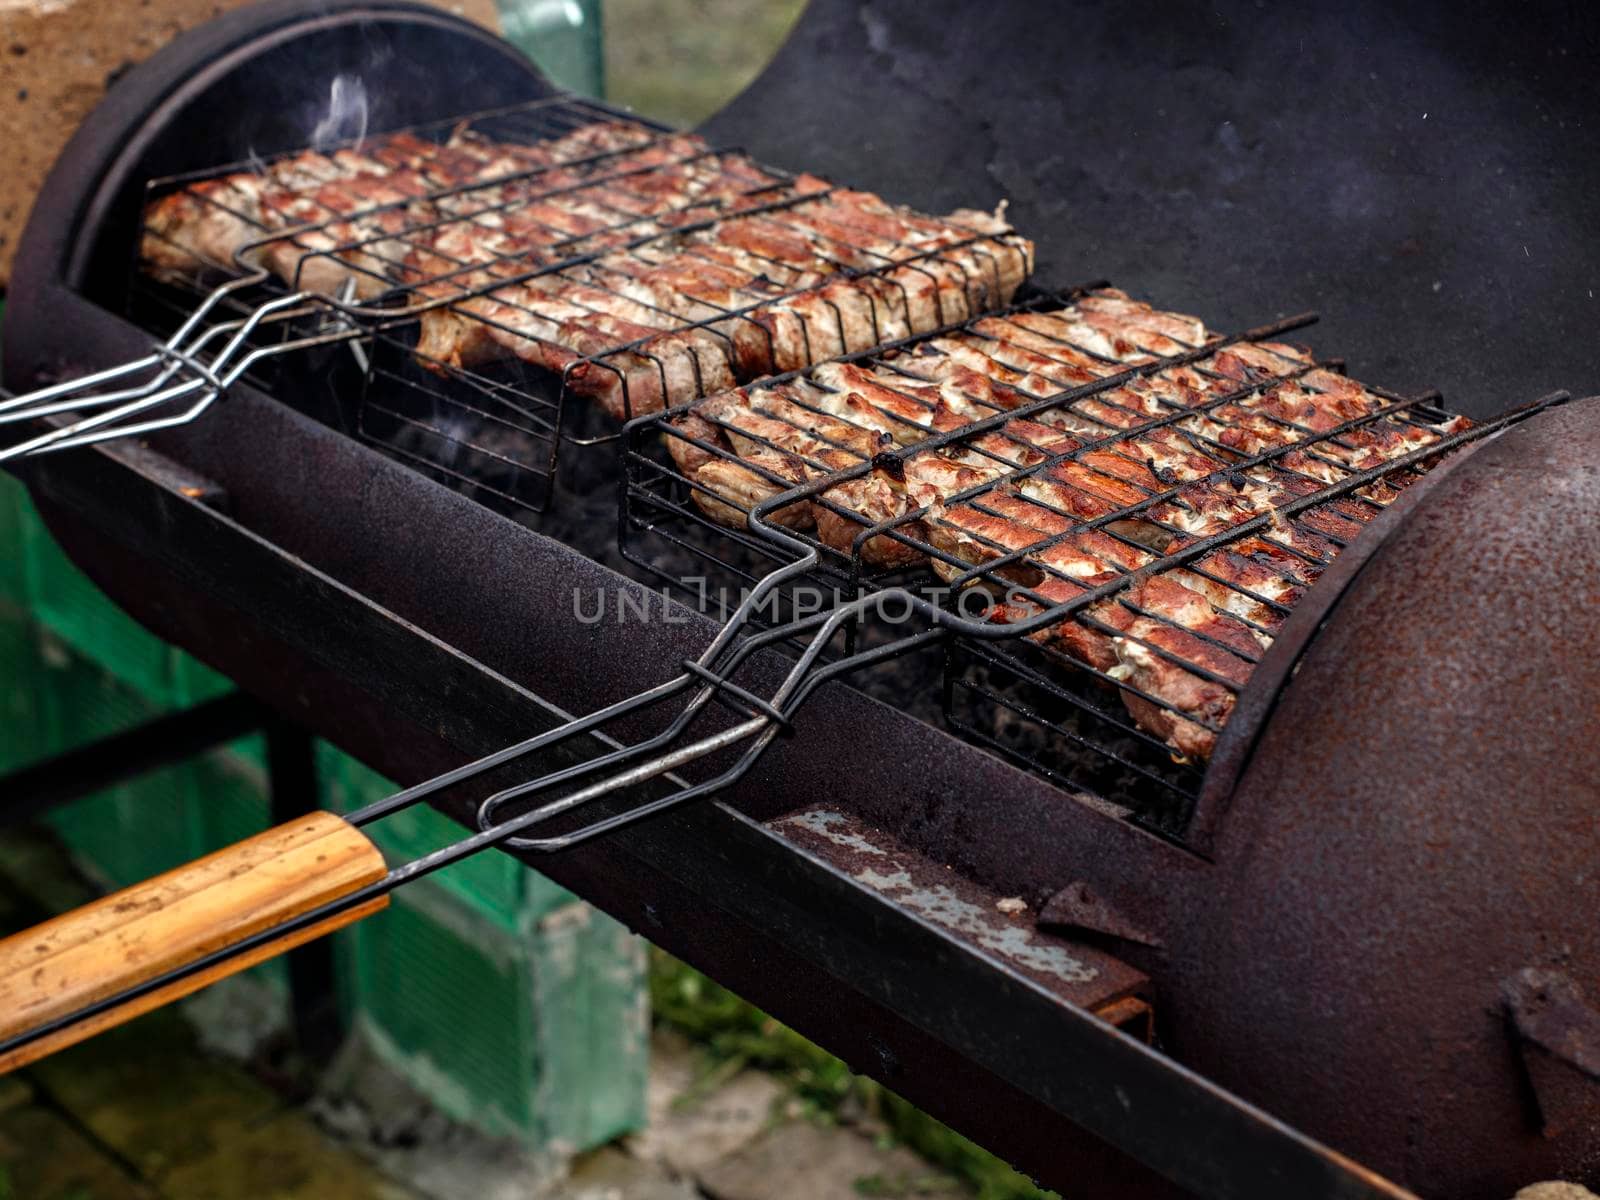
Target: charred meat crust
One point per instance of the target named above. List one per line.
(1042, 510)
(646, 269)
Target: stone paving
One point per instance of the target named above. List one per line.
(144, 1113)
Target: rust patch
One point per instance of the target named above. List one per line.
(1082, 974)
(1077, 906)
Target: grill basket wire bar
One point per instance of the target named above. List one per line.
(659, 509)
(384, 296)
(494, 439)
(1188, 773)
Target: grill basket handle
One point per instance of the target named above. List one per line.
(58, 967)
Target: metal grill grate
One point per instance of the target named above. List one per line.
(1119, 523)
(556, 250)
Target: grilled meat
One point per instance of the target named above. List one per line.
(1066, 509)
(818, 278)
(308, 204)
(644, 268)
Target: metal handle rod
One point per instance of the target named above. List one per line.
(174, 355)
(215, 379)
(105, 427)
(691, 710)
(722, 657)
(403, 799)
(210, 378)
(176, 358)
(762, 729)
(71, 386)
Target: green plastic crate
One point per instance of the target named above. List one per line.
(13, 496)
(132, 831)
(63, 599)
(231, 790)
(494, 991)
(22, 733)
(539, 1033)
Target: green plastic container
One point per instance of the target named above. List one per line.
(63, 599)
(13, 498)
(540, 1033)
(563, 36)
(131, 831)
(495, 992)
(22, 734)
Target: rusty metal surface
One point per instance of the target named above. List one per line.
(1419, 822)
(1079, 906)
(1003, 926)
(1239, 737)
(1556, 1028)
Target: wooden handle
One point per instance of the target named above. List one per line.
(58, 967)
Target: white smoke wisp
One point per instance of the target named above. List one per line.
(346, 118)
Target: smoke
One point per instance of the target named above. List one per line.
(346, 117)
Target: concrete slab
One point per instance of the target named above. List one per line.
(286, 1158)
(610, 1174)
(801, 1159)
(688, 1132)
(42, 1157)
(149, 1094)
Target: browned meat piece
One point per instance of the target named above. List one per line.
(1182, 663)
(206, 224)
(721, 281)
(1178, 642)
(779, 431)
(727, 486)
(946, 384)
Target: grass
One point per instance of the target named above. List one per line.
(681, 60)
(735, 1035)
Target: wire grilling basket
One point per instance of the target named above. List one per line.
(523, 258)
(1035, 519)
(711, 721)
(1066, 650)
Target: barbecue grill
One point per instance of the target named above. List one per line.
(1358, 927)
